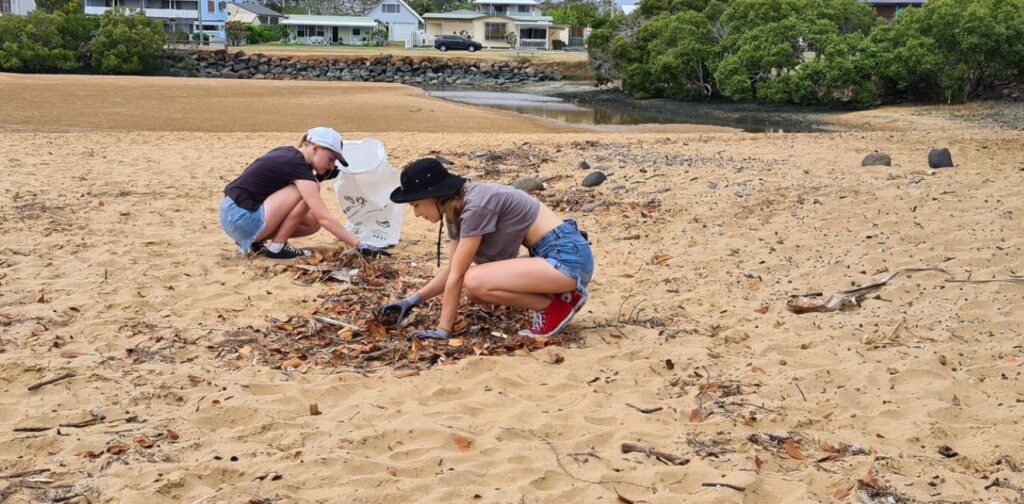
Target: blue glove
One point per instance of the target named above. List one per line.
(438, 334)
(371, 251)
(393, 313)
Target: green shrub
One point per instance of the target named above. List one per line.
(127, 43)
(37, 42)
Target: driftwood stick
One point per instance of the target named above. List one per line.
(334, 322)
(22, 474)
(32, 428)
(991, 280)
(724, 485)
(645, 411)
(51, 381)
(650, 452)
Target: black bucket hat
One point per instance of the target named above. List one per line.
(426, 178)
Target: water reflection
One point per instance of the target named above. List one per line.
(609, 113)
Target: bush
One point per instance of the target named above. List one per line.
(42, 42)
(261, 34)
(127, 43)
(237, 32)
(834, 52)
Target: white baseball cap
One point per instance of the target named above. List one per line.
(328, 139)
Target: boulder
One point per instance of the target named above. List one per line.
(594, 179)
(940, 158)
(529, 184)
(877, 159)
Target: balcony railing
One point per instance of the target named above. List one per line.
(150, 12)
(533, 44)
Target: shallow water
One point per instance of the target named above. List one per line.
(626, 112)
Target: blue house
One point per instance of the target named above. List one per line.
(400, 19)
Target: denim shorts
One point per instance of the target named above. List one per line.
(242, 225)
(565, 249)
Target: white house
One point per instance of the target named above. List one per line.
(253, 13)
(400, 19)
(493, 19)
(176, 15)
(19, 7)
(330, 30)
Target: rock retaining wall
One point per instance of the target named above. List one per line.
(384, 68)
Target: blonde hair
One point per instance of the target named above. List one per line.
(451, 208)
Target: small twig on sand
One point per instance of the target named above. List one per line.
(51, 381)
(22, 474)
(650, 452)
(848, 298)
(724, 485)
(558, 458)
(334, 322)
(801, 391)
(1018, 280)
(32, 429)
(646, 410)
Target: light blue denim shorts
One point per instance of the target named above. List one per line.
(565, 249)
(241, 225)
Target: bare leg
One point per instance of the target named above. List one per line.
(522, 283)
(308, 226)
(286, 216)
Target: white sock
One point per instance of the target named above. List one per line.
(275, 247)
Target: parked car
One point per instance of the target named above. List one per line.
(445, 42)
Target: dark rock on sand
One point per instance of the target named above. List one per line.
(877, 159)
(940, 158)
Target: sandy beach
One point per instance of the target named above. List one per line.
(113, 267)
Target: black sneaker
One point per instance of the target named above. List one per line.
(257, 248)
(287, 252)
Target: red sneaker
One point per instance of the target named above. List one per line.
(552, 319)
(576, 299)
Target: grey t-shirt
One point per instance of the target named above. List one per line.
(498, 213)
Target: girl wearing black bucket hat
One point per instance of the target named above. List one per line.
(278, 197)
(487, 224)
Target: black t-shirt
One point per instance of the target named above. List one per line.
(269, 174)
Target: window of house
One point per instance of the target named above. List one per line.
(356, 32)
(5, 5)
(223, 6)
(319, 31)
(524, 9)
(300, 31)
(532, 34)
(209, 5)
(494, 31)
(391, 8)
(500, 9)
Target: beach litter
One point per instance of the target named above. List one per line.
(346, 332)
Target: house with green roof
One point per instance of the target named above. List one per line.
(493, 19)
(330, 30)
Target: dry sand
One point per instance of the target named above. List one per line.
(113, 267)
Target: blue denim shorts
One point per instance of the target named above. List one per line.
(565, 249)
(242, 225)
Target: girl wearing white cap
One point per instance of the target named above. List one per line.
(278, 197)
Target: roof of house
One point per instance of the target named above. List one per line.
(351, 21)
(468, 14)
(413, 11)
(506, 2)
(458, 14)
(257, 9)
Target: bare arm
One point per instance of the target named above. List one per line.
(436, 285)
(310, 192)
(462, 258)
